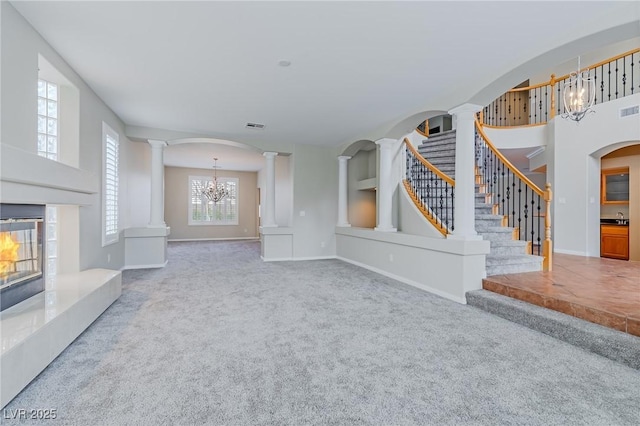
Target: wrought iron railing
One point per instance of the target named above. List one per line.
(525, 206)
(431, 190)
(615, 78)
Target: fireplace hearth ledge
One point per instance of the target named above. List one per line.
(37, 330)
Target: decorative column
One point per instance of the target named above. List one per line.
(385, 186)
(157, 184)
(269, 214)
(343, 187)
(465, 190)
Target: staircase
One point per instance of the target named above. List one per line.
(508, 255)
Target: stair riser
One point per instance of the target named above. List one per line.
(433, 153)
(496, 236)
(484, 224)
(514, 269)
(508, 251)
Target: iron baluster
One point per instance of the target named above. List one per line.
(624, 76)
(538, 239)
(609, 88)
(526, 211)
(519, 207)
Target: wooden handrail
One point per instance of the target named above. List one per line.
(427, 164)
(427, 214)
(606, 61)
(506, 162)
(555, 79)
(493, 126)
(524, 89)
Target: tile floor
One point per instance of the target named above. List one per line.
(602, 291)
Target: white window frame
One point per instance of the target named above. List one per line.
(51, 154)
(203, 201)
(110, 185)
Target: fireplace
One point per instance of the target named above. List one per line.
(21, 252)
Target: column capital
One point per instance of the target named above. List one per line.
(270, 154)
(465, 109)
(156, 143)
(386, 142)
(344, 158)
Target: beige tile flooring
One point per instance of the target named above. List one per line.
(603, 291)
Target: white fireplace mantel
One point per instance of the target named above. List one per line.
(25, 177)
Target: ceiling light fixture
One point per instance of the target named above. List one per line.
(579, 94)
(215, 191)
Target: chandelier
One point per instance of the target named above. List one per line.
(579, 94)
(215, 191)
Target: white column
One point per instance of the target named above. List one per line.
(385, 186)
(464, 202)
(269, 214)
(157, 184)
(343, 187)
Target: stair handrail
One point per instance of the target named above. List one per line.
(420, 184)
(425, 125)
(507, 163)
(546, 195)
(549, 107)
(426, 162)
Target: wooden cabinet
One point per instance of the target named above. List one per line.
(614, 186)
(614, 241)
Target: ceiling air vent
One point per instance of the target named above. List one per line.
(256, 126)
(633, 110)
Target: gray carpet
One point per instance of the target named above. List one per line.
(219, 337)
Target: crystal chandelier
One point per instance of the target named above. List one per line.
(215, 191)
(579, 95)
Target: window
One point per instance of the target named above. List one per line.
(205, 212)
(47, 119)
(52, 240)
(110, 140)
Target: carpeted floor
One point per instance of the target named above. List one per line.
(219, 337)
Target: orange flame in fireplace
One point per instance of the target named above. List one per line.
(8, 252)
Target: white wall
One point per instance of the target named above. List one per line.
(138, 171)
(315, 194)
(449, 268)
(21, 45)
(517, 137)
(574, 172)
(284, 190)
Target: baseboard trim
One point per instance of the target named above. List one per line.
(178, 240)
(295, 259)
(571, 252)
(150, 266)
(461, 300)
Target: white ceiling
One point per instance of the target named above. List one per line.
(357, 68)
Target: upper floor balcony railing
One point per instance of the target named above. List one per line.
(615, 78)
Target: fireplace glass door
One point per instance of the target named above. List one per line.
(21, 259)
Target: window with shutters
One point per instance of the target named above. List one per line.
(203, 211)
(110, 141)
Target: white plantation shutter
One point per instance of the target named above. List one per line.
(110, 187)
(205, 212)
